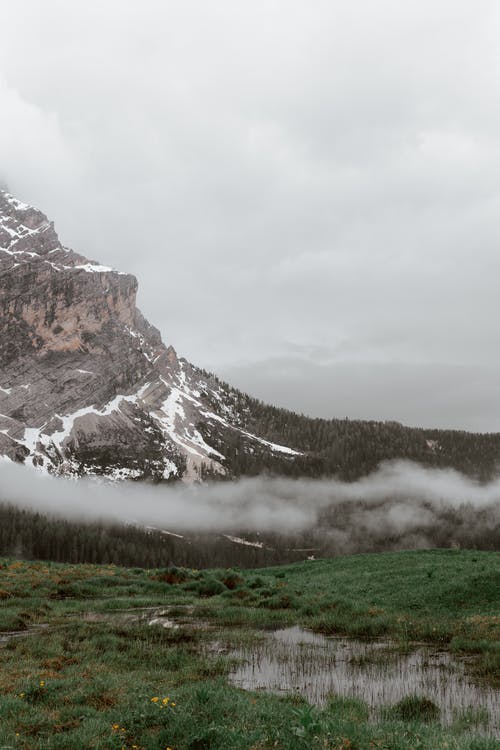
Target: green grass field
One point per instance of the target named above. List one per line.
(99, 678)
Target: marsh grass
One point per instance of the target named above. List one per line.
(471, 718)
(99, 677)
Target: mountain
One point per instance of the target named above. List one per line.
(87, 387)
(86, 384)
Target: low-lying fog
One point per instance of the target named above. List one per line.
(403, 503)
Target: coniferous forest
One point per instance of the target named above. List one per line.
(344, 448)
(348, 527)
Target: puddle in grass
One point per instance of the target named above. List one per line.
(170, 618)
(294, 660)
(10, 635)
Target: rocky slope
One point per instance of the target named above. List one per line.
(86, 384)
(87, 387)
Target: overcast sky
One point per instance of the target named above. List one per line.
(308, 192)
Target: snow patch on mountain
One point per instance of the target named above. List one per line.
(245, 542)
(100, 391)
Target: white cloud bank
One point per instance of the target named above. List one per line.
(402, 505)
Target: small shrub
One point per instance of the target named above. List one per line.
(415, 708)
(279, 601)
(232, 580)
(210, 587)
(171, 576)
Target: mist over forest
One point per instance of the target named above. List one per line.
(252, 522)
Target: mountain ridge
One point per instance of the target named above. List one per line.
(84, 375)
(87, 387)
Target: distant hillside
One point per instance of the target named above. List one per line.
(345, 448)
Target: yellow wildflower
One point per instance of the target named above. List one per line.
(165, 701)
(155, 699)
(42, 683)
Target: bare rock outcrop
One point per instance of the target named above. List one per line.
(86, 384)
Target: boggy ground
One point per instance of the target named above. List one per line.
(101, 677)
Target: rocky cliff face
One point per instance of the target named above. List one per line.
(86, 384)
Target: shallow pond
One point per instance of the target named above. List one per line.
(314, 666)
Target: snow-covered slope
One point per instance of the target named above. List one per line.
(86, 384)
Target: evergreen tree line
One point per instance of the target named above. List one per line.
(344, 448)
(31, 535)
(344, 528)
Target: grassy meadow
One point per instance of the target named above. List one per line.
(96, 675)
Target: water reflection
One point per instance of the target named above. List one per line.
(297, 660)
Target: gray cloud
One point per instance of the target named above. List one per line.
(279, 174)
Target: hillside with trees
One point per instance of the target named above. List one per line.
(343, 448)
